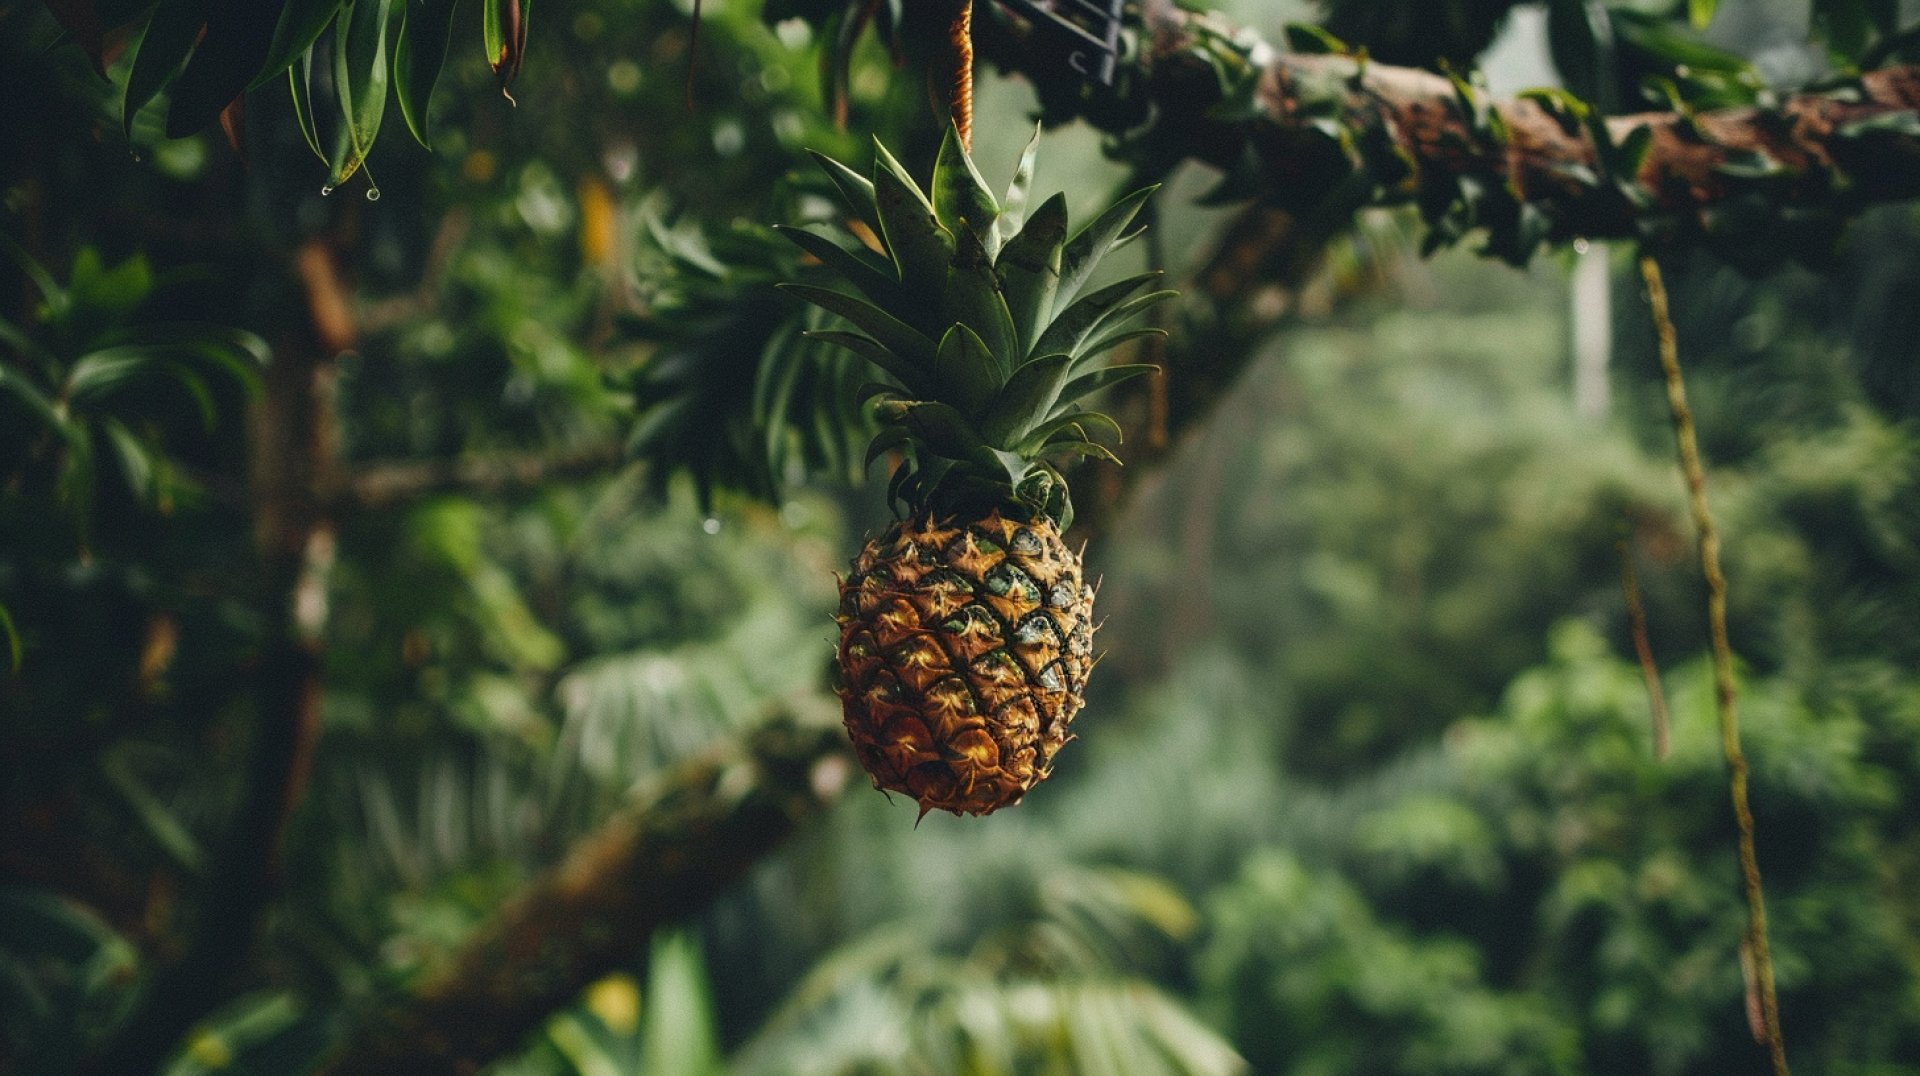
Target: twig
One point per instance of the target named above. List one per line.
(1725, 692)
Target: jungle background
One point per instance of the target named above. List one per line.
(474, 503)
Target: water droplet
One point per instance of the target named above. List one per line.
(373, 194)
(1580, 246)
(326, 190)
(711, 526)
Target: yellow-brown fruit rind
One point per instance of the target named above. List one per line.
(964, 653)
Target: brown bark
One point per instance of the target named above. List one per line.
(294, 448)
(656, 863)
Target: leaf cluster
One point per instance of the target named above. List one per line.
(978, 315)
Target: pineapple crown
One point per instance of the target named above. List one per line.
(974, 311)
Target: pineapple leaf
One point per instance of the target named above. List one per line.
(1072, 426)
(941, 428)
(1013, 207)
(973, 299)
(1089, 449)
(921, 247)
(1113, 340)
(1084, 251)
(960, 196)
(1106, 377)
(888, 439)
(1028, 397)
(905, 341)
(1109, 326)
(1029, 267)
(913, 377)
(1073, 324)
(964, 368)
(871, 389)
(853, 266)
(855, 189)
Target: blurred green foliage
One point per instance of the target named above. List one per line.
(1366, 785)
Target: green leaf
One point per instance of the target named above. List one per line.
(940, 427)
(960, 195)
(300, 88)
(965, 369)
(1087, 384)
(1580, 38)
(1089, 449)
(426, 27)
(1084, 251)
(301, 23)
(136, 462)
(360, 74)
(1029, 397)
(1700, 12)
(12, 635)
(1013, 207)
(855, 189)
(503, 25)
(1029, 268)
(1071, 426)
(161, 53)
(973, 299)
(853, 266)
(13, 383)
(920, 247)
(896, 336)
(222, 65)
(1108, 341)
(1072, 325)
(915, 378)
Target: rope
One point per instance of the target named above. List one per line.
(1724, 690)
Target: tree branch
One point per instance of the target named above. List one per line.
(382, 485)
(1310, 132)
(656, 863)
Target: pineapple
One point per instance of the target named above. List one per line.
(966, 630)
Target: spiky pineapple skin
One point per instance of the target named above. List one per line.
(964, 654)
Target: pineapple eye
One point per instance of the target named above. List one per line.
(971, 619)
(1037, 628)
(1007, 581)
(1062, 596)
(1025, 542)
(1050, 678)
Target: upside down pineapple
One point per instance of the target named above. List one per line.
(966, 630)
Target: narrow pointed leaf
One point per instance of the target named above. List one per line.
(943, 429)
(222, 65)
(1084, 251)
(916, 379)
(1013, 207)
(964, 368)
(1074, 426)
(1114, 339)
(1027, 398)
(853, 266)
(855, 189)
(893, 334)
(426, 28)
(920, 247)
(961, 195)
(300, 87)
(973, 299)
(1079, 318)
(161, 53)
(1109, 330)
(1090, 449)
(1029, 268)
(1087, 384)
(360, 73)
(300, 25)
(888, 439)
(503, 27)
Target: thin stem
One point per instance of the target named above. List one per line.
(960, 105)
(1725, 692)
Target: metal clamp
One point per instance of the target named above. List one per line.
(1087, 31)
